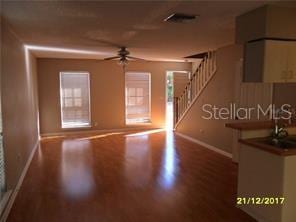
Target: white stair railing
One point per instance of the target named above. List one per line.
(195, 86)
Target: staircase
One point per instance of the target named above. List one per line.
(195, 86)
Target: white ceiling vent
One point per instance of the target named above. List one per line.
(180, 18)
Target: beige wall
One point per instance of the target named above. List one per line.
(220, 92)
(254, 94)
(19, 105)
(107, 91)
(266, 22)
(284, 93)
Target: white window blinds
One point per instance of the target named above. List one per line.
(137, 87)
(75, 102)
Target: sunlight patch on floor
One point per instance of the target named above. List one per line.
(169, 116)
(99, 136)
(145, 132)
(169, 167)
(52, 137)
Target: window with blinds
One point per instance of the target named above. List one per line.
(137, 98)
(75, 99)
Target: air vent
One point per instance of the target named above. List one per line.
(180, 18)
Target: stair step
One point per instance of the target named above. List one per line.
(195, 86)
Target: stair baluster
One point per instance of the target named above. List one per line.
(195, 86)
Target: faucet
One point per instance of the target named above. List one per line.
(279, 132)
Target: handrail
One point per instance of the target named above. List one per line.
(198, 81)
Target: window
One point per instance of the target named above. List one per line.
(137, 97)
(74, 94)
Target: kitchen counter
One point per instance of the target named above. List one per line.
(265, 169)
(259, 143)
(255, 125)
(245, 132)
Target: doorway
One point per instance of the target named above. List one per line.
(169, 101)
(176, 82)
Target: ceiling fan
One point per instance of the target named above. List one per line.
(123, 56)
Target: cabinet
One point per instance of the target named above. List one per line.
(270, 61)
(292, 61)
(263, 174)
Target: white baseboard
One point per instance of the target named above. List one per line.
(210, 147)
(81, 132)
(19, 184)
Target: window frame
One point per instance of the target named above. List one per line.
(126, 98)
(89, 125)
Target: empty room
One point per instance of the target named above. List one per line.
(165, 111)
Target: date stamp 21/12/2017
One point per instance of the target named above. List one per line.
(260, 200)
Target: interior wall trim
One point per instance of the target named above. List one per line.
(19, 184)
(82, 132)
(272, 38)
(203, 144)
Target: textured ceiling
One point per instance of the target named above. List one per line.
(101, 26)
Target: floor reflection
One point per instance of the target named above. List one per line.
(119, 178)
(169, 116)
(137, 161)
(169, 166)
(77, 174)
(145, 133)
(93, 137)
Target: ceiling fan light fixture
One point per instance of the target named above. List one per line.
(123, 57)
(123, 61)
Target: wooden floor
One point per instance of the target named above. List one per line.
(148, 176)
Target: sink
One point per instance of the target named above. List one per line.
(285, 143)
(291, 138)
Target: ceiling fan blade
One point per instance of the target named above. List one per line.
(114, 57)
(134, 58)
